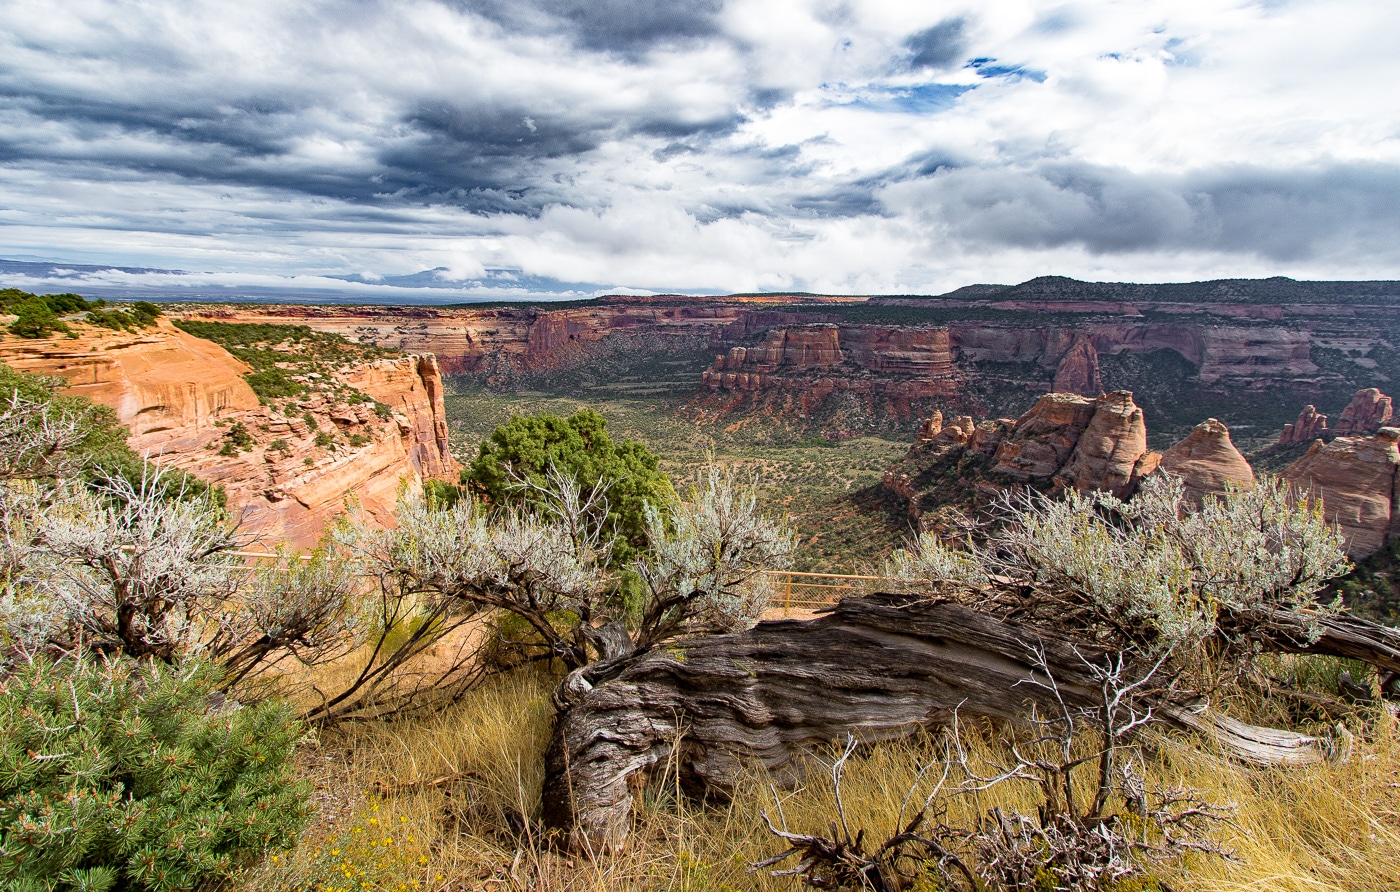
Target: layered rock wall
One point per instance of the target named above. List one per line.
(1355, 477)
(180, 395)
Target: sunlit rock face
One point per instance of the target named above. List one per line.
(1355, 479)
(1207, 462)
(180, 395)
(1368, 411)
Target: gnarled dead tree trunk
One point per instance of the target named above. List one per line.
(878, 667)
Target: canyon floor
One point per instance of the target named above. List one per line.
(830, 491)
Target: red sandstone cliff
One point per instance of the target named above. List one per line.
(180, 395)
(1356, 479)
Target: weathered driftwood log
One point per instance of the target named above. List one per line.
(878, 667)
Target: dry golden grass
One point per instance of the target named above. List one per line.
(449, 804)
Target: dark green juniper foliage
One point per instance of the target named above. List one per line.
(527, 446)
(119, 776)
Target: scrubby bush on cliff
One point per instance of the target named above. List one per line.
(125, 317)
(47, 436)
(39, 315)
(550, 564)
(513, 465)
(1153, 573)
(119, 775)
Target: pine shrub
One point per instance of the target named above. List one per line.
(115, 775)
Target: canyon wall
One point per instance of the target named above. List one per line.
(181, 396)
(861, 365)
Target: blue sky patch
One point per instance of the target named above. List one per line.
(985, 68)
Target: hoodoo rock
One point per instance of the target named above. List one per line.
(1111, 454)
(1309, 426)
(1355, 479)
(1206, 461)
(929, 428)
(1368, 411)
(1043, 438)
(1078, 372)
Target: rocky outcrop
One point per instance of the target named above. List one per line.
(903, 363)
(158, 379)
(1368, 411)
(1355, 479)
(1309, 426)
(929, 428)
(181, 395)
(412, 387)
(1065, 441)
(1207, 462)
(1112, 453)
(1044, 437)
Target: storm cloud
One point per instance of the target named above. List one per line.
(713, 145)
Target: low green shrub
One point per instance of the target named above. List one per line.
(115, 775)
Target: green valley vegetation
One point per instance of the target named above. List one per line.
(290, 361)
(515, 460)
(40, 316)
(829, 491)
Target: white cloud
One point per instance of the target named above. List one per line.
(773, 144)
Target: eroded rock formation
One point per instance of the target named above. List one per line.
(1356, 479)
(1206, 461)
(1309, 426)
(1368, 411)
(1079, 443)
(1065, 441)
(181, 395)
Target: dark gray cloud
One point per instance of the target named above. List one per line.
(627, 27)
(1284, 215)
(939, 48)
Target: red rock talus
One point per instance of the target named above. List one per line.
(1355, 478)
(1206, 461)
(1368, 411)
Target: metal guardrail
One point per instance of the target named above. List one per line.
(792, 590)
(808, 591)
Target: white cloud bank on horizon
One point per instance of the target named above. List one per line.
(679, 145)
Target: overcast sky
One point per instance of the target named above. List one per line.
(703, 145)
